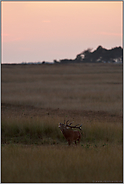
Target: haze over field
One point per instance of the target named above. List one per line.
(44, 31)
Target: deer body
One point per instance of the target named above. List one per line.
(70, 134)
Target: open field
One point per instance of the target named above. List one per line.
(61, 164)
(96, 87)
(35, 98)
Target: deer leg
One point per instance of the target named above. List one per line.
(69, 142)
(75, 142)
(78, 141)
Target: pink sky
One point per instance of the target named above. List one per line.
(44, 31)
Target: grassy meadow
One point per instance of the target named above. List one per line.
(36, 98)
(21, 163)
(96, 87)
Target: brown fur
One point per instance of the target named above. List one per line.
(69, 134)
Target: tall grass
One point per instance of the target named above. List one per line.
(90, 93)
(44, 130)
(29, 130)
(61, 164)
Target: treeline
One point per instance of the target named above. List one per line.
(100, 55)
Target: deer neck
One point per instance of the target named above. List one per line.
(64, 131)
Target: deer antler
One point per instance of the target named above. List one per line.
(76, 126)
(66, 122)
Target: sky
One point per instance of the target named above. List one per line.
(45, 31)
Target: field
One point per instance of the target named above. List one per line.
(36, 98)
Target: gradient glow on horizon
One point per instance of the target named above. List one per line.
(44, 31)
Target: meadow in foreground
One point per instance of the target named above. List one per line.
(61, 164)
(34, 149)
(35, 99)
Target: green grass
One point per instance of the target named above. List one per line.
(29, 131)
(45, 131)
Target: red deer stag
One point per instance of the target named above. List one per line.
(70, 134)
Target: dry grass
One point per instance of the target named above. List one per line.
(61, 164)
(44, 130)
(36, 98)
(81, 87)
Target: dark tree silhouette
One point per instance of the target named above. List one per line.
(100, 55)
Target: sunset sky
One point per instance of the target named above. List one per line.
(43, 31)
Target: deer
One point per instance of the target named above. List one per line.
(70, 134)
